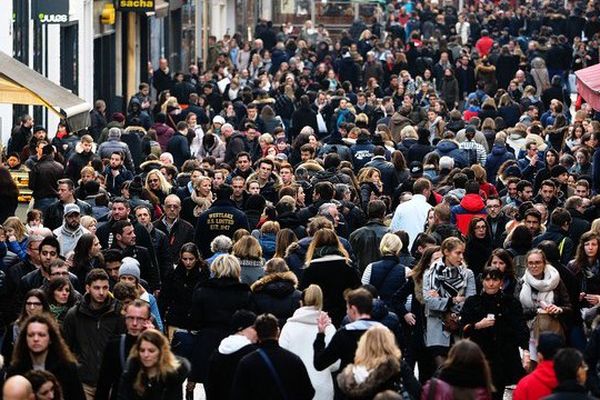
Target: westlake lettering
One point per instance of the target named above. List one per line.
(220, 221)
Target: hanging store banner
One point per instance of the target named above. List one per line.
(139, 6)
(51, 12)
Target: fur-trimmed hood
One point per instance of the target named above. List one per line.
(373, 383)
(277, 283)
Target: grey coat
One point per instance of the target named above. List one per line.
(435, 307)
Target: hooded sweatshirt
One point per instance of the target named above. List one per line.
(67, 238)
(470, 206)
(537, 384)
(302, 325)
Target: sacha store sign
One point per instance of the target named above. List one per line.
(51, 11)
(141, 6)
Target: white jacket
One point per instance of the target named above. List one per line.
(297, 336)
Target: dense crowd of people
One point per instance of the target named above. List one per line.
(409, 209)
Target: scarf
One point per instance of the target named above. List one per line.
(58, 310)
(201, 205)
(448, 280)
(535, 291)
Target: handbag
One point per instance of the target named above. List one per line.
(450, 322)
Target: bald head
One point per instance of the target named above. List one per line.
(17, 388)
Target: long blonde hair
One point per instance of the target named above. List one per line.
(165, 186)
(375, 347)
(167, 362)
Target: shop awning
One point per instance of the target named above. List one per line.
(588, 85)
(19, 84)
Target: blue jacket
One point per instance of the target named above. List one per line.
(527, 171)
(451, 149)
(387, 275)
(222, 218)
(113, 183)
(362, 152)
(497, 156)
(180, 149)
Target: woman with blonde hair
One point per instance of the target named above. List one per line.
(199, 201)
(214, 302)
(328, 265)
(250, 255)
(301, 325)
(158, 185)
(15, 235)
(153, 371)
(377, 367)
(388, 274)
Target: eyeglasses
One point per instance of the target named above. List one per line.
(33, 304)
(172, 206)
(153, 180)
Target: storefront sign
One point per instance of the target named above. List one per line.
(51, 12)
(140, 6)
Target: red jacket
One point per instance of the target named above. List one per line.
(470, 206)
(484, 45)
(537, 384)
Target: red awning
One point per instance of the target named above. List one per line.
(588, 85)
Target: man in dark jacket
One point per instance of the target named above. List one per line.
(178, 145)
(558, 232)
(53, 217)
(44, 177)
(116, 174)
(234, 143)
(365, 241)
(161, 79)
(137, 320)
(271, 372)
(441, 228)
(222, 218)
(159, 240)
(331, 173)
(232, 349)
(90, 324)
(343, 344)
(362, 150)
(178, 231)
(497, 220)
(386, 170)
(579, 224)
(125, 240)
(20, 135)
(348, 70)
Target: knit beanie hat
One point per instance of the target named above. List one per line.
(130, 266)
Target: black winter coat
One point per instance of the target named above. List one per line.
(176, 295)
(213, 304)
(181, 233)
(254, 380)
(277, 294)
(500, 343)
(113, 363)
(44, 176)
(333, 275)
(65, 373)
(221, 371)
(171, 388)
(365, 242)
